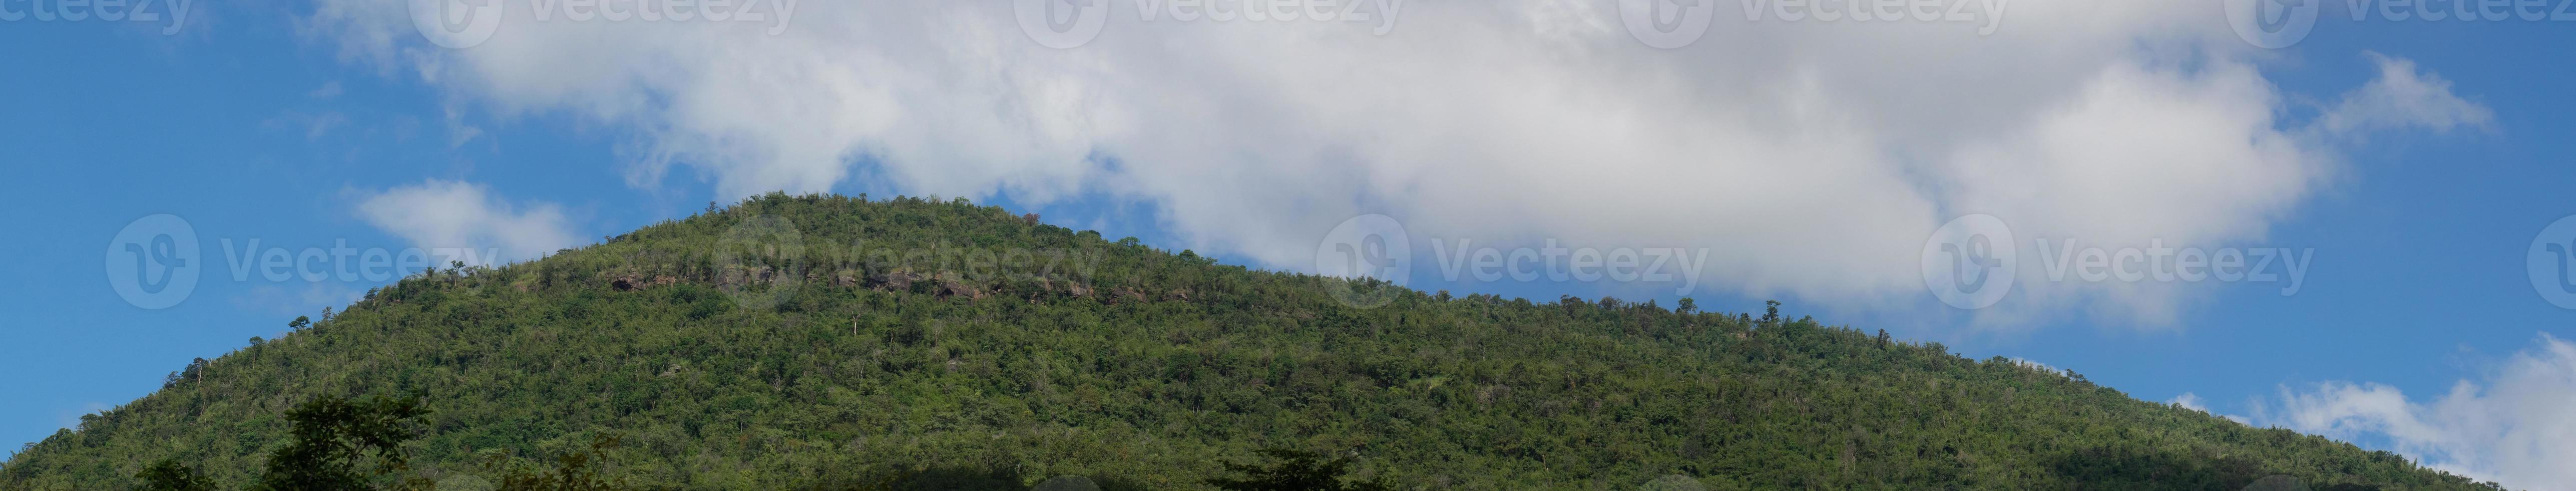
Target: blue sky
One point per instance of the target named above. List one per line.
(309, 124)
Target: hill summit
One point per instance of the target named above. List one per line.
(831, 342)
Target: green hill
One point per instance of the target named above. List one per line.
(833, 343)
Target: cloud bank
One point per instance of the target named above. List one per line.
(2515, 427)
(1814, 158)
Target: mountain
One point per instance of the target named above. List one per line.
(828, 342)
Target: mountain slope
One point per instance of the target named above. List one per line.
(826, 341)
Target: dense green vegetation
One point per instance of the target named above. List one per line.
(828, 342)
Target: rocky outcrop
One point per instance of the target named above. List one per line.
(637, 282)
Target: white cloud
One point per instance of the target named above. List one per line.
(328, 90)
(2400, 98)
(2193, 402)
(2043, 367)
(2515, 427)
(2189, 401)
(448, 214)
(1812, 158)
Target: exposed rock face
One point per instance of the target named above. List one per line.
(1125, 294)
(950, 287)
(634, 282)
(1070, 288)
(892, 281)
(942, 284)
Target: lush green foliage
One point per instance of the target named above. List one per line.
(836, 343)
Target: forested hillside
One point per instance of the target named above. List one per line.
(830, 342)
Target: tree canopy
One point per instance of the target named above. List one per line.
(828, 342)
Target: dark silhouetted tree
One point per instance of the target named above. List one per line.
(1296, 471)
(170, 475)
(575, 471)
(332, 436)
